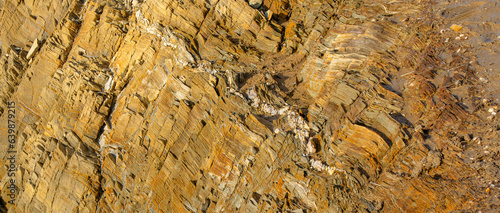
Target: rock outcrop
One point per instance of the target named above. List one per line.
(233, 106)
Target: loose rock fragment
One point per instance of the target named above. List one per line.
(456, 28)
(255, 3)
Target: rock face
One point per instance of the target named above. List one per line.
(239, 106)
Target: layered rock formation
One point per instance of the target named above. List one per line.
(235, 106)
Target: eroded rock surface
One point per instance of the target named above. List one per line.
(245, 106)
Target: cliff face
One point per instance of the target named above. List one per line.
(237, 106)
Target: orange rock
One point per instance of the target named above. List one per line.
(133, 105)
(456, 28)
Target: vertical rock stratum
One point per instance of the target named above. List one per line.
(249, 106)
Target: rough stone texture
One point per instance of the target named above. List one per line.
(226, 106)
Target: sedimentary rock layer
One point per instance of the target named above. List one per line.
(229, 106)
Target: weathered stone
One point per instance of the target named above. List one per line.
(230, 106)
(255, 3)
